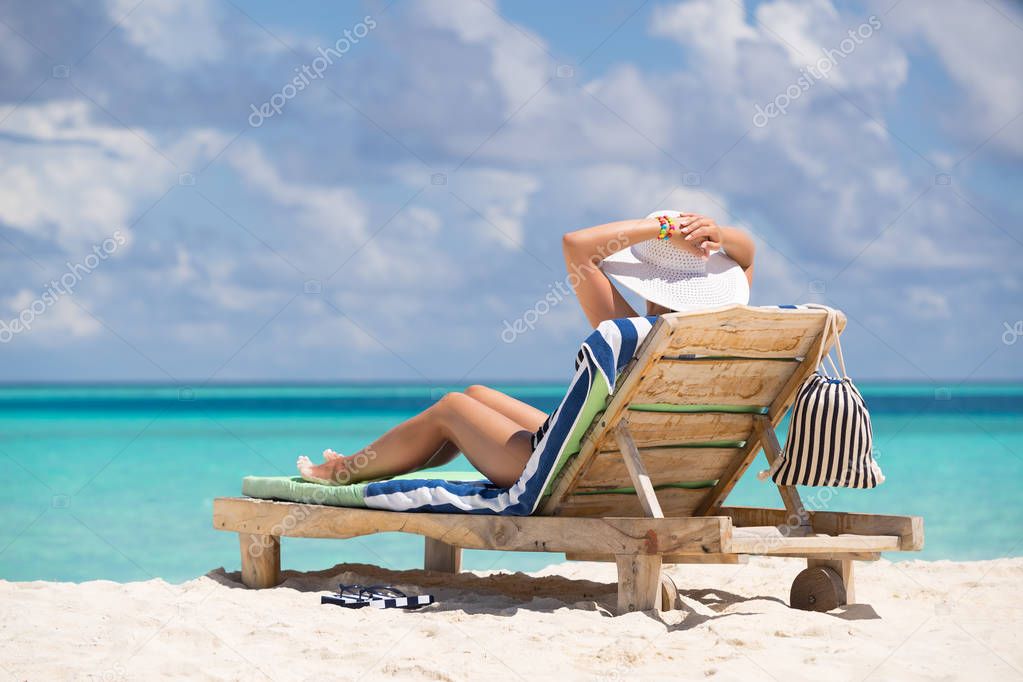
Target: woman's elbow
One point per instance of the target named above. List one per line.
(571, 242)
(578, 248)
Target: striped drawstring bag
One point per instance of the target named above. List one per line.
(830, 441)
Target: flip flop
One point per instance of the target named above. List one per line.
(377, 596)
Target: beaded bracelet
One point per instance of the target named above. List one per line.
(666, 227)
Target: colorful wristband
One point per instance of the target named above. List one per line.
(666, 227)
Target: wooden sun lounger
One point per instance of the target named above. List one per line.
(699, 401)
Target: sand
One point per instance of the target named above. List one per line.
(925, 621)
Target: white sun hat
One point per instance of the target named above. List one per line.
(666, 274)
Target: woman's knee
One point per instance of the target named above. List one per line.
(477, 391)
(453, 401)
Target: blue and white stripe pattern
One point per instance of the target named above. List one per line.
(603, 355)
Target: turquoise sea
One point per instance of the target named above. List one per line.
(117, 482)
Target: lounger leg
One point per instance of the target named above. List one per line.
(639, 582)
(440, 556)
(844, 568)
(261, 560)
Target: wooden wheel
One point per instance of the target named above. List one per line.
(817, 589)
(669, 593)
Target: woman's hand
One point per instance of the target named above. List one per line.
(706, 235)
(702, 232)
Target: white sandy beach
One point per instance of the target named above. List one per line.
(925, 621)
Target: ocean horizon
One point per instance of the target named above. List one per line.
(116, 481)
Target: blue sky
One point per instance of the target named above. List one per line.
(395, 213)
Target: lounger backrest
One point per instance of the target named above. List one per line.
(694, 397)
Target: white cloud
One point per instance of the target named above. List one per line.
(74, 179)
(979, 45)
(624, 190)
(928, 304)
(52, 322)
(713, 29)
(518, 64)
(335, 214)
(179, 35)
(494, 199)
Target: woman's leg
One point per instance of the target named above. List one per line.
(496, 445)
(524, 414)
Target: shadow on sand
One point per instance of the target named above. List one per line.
(505, 593)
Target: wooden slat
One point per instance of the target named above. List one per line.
(675, 502)
(671, 558)
(506, 533)
(910, 529)
(721, 382)
(637, 472)
(772, 451)
(831, 556)
(663, 465)
(747, 332)
(770, 540)
(660, 428)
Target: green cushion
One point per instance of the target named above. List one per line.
(688, 409)
(294, 489)
(688, 485)
(596, 400)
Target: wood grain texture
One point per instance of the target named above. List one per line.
(470, 531)
(772, 451)
(651, 429)
(663, 465)
(909, 529)
(637, 472)
(261, 560)
(639, 583)
(442, 557)
(768, 540)
(671, 558)
(715, 382)
(674, 502)
(748, 332)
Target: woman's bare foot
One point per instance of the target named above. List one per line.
(332, 472)
(330, 454)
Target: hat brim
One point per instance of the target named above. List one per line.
(677, 292)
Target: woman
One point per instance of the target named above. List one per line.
(675, 263)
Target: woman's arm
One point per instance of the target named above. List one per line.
(584, 249)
